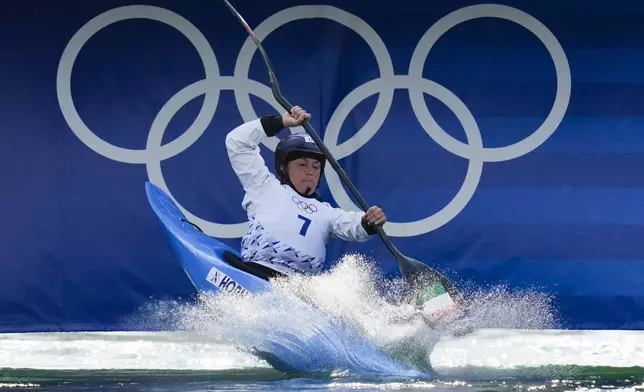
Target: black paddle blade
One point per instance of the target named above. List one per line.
(420, 277)
(427, 288)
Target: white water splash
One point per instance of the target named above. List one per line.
(350, 310)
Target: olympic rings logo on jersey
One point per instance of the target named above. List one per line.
(384, 86)
(302, 205)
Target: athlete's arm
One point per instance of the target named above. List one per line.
(242, 144)
(351, 225)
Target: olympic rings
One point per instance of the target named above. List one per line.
(384, 86)
(302, 205)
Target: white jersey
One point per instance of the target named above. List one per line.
(287, 232)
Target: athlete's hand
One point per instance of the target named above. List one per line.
(375, 216)
(296, 117)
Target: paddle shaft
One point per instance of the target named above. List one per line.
(363, 204)
(309, 129)
(416, 273)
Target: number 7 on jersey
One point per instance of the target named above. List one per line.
(305, 225)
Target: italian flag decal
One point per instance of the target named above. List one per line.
(436, 302)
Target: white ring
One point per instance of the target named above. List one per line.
(66, 102)
(368, 34)
(474, 169)
(155, 137)
(524, 146)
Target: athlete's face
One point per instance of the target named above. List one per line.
(304, 174)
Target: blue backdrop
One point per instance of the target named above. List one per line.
(503, 141)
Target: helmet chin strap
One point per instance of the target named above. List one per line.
(305, 193)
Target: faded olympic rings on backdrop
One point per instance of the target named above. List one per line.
(302, 205)
(385, 85)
